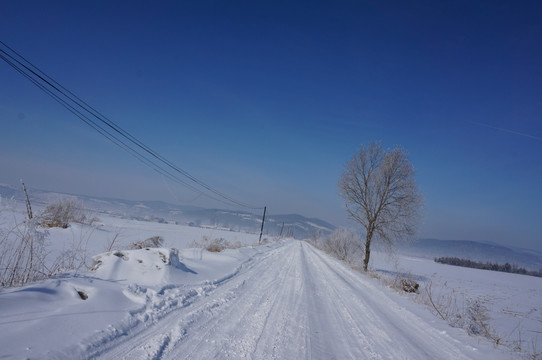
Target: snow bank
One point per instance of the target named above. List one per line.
(47, 316)
(126, 288)
(147, 267)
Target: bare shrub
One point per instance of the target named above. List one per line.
(61, 213)
(343, 244)
(445, 304)
(111, 243)
(472, 316)
(215, 245)
(22, 254)
(26, 256)
(478, 321)
(152, 242)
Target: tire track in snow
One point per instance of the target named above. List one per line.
(193, 326)
(333, 336)
(250, 326)
(396, 332)
(159, 305)
(291, 302)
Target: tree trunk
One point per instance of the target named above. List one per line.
(367, 252)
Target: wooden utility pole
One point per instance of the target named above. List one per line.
(263, 221)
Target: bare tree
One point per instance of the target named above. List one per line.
(380, 193)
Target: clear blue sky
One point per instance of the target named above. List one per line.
(266, 101)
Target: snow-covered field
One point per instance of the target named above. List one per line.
(283, 300)
(513, 302)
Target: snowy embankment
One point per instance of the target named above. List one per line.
(127, 289)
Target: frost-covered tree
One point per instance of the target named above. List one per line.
(380, 193)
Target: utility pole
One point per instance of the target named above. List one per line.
(263, 221)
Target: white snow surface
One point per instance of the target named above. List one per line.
(285, 300)
(281, 301)
(513, 301)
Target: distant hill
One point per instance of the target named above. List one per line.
(472, 250)
(293, 225)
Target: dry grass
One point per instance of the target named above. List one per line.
(22, 254)
(61, 213)
(152, 242)
(215, 245)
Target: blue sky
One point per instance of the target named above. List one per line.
(266, 101)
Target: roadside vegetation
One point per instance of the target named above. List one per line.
(25, 251)
(215, 245)
(61, 213)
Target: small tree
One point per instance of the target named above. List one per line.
(380, 193)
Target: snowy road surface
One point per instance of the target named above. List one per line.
(291, 302)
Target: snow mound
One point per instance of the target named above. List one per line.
(149, 266)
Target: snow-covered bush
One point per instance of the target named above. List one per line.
(344, 245)
(61, 213)
(215, 245)
(152, 242)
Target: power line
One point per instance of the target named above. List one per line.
(112, 137)
(110, 130)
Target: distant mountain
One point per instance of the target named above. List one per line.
(292, 225)
(472, 250)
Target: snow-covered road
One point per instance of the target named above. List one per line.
(292, 302)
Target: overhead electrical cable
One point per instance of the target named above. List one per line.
(113, 138)
(110, 130)
(116, 140)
